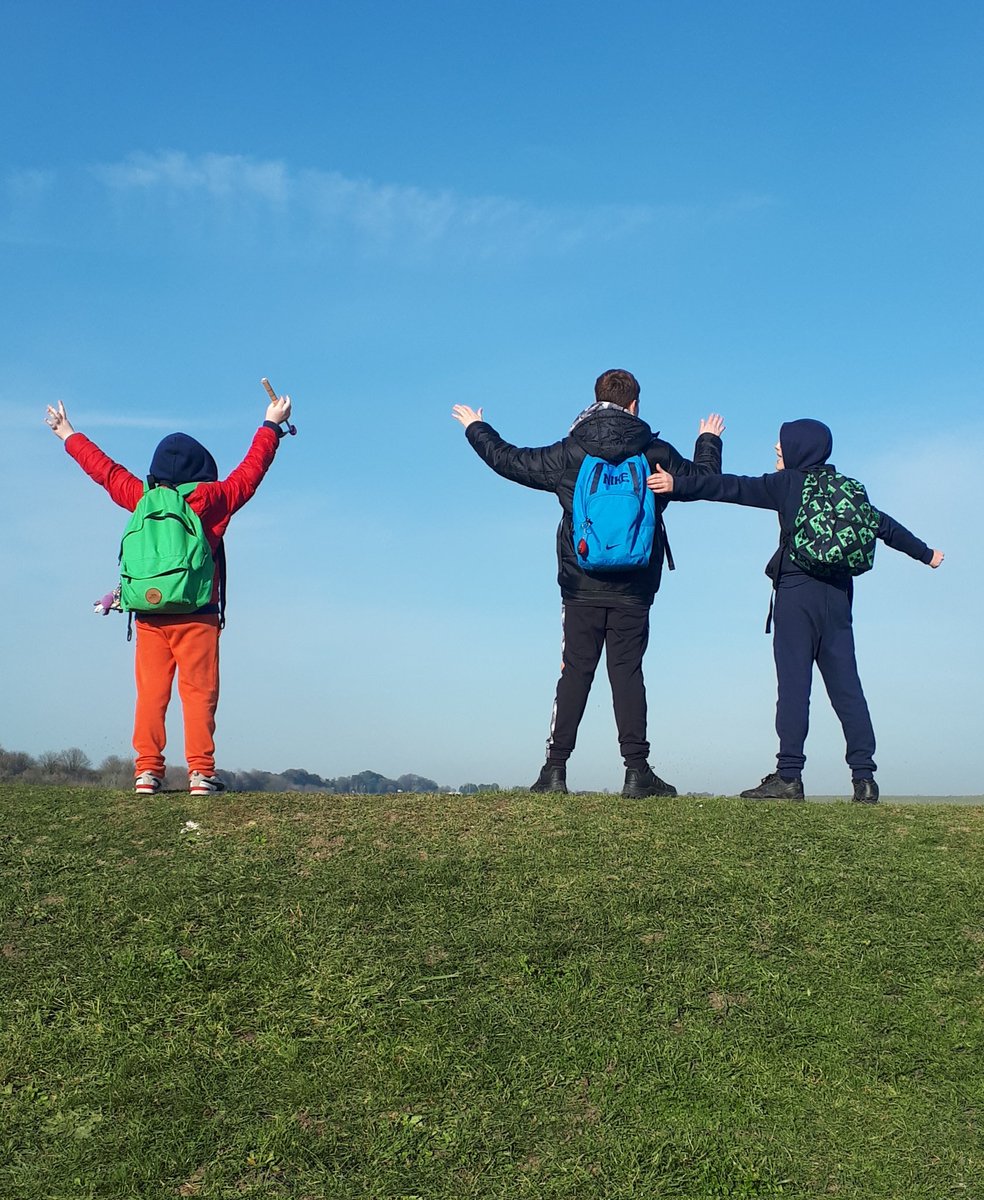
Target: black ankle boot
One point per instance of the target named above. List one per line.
(774, 787)
(551, 779)
(643, 781)
(865, 792)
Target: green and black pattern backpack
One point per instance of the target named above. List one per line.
(836, 528)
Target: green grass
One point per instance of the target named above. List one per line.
(490, 996)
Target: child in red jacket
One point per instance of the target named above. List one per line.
(187, 643)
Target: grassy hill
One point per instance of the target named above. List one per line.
(488, 996)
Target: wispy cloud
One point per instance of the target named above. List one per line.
(317, 210)
(17, 413)
(105, 420)
(228, 202)
(219, 176)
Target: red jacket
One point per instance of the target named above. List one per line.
(213, 502)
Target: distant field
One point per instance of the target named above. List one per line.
(500, 995)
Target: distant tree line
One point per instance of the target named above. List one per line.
(73, 766)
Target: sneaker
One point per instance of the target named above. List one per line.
(643, 781)
(200, 784)
(147, 784)
(551, 779)
(775, 787)
(865, 792)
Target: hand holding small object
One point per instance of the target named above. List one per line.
(278, 410)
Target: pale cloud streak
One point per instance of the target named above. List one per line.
(316, 210)
(228, 203)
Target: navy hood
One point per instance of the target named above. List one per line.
(180, 459)
(805, 444)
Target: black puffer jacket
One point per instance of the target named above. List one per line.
(611, 433)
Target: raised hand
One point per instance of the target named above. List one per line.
(661, 482)
(937, 558)
(467, 416)
(712, 424)
(278, 410)
(57, 421)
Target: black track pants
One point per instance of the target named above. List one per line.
(624, 633)
(813, 625)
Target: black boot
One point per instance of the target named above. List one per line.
(643, 781)
(552, 778)
(865, 792)
(774, 787)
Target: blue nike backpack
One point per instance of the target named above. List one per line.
(614, 514)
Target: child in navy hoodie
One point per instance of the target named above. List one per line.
(812, 616)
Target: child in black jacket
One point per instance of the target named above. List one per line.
(812, 616)
(607, 610)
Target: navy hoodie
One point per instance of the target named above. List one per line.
(806, 445)
(180, 459)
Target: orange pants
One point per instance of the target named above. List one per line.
(190, 645)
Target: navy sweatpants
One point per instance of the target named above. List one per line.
(624, 634)
(812, 623)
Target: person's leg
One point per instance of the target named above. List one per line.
(154, 671)
(838, 666)
(196, 648)
(626, 639)
(796, 624)
(583, 636)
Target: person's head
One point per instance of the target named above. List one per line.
(618, 387)
(180, 459)
(803, 445)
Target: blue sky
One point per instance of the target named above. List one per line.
(771, 210)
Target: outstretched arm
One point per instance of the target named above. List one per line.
(124, 487)
(538, 467)
(899, 538)
(240, 485)
(753, 491)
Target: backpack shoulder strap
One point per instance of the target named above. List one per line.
(220, 562)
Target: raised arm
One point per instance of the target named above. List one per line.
(538, 467)
(230, 494)
(707, 451)
(123, 487)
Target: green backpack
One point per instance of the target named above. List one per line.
(166, 563)
(836, 528)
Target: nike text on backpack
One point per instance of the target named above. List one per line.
(835, 530)
(614, 514)
(166, 563)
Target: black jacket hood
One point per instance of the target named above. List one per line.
(611, 433)
(805, 444)
(180, 459)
